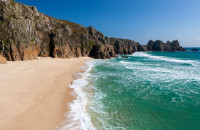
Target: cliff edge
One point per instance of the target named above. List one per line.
(26, 34)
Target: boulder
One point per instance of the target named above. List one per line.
(195, 49)
(2, 60)
(125, 57)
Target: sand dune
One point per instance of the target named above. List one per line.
(34, 94)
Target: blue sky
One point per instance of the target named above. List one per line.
(139, 20)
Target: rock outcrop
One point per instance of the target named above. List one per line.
(26, 34)
(195, 49)
(2, 60)
(160, 46)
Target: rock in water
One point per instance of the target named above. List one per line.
(161, 46)
(124, 57)
(195, 49)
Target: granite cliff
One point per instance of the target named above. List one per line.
(26, 34)
(161, 46)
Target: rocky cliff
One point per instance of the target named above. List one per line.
(160, 46)
(26, 34)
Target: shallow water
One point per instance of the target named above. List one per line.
(149, 90)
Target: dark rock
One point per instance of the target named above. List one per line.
(160, 46)
(26, 34)
(194, 49)
(124, 57)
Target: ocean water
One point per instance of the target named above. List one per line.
(148, 90)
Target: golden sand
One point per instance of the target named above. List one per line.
(34, 94)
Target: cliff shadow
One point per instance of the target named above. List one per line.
(1, 46)
(51, 45)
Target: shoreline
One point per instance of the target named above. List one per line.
(77, 117)
(25, 106)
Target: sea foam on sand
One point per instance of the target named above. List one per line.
(77, 117)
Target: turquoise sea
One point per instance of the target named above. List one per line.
(148, 90)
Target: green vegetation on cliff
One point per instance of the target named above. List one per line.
(26, 34)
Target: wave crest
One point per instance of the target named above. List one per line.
(164, 58)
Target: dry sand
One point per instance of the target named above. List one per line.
(34, 94)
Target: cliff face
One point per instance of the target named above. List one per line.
(26, 34)
(160, 46)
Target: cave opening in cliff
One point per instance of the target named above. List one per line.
(93, 51)
(51, 45)
(1, 46)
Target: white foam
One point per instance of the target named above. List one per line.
(133, 63)
(163, 58)
(78, 116)
(154, 73)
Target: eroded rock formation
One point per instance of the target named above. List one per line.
(26, 34)
(161, 46)
(2, 60)
(195, 49)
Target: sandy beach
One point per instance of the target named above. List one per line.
(35, 94)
